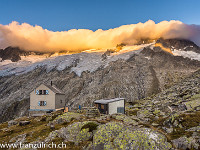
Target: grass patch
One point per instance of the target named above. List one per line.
(37, 129)
(4, 125)
(179, 132)
(187, 121)
(190, 120)
(69, 145)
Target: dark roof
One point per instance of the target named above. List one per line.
(54, 89)
(106, 101)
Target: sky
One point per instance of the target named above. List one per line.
(62, 15)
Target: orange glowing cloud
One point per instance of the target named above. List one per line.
(35, 38)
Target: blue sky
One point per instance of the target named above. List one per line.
(59, 15)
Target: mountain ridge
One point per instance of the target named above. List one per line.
(14, 53)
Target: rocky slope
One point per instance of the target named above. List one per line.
(175, 112)
(79, 132)
(167, 120)
(162, 107)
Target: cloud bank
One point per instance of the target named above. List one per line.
(35, 38)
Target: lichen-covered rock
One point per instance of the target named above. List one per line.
(168, 130)
(156, 112)
(115, 135)
(73, 133)
(141, 139)
(127, 120)
(171, 120)
(194, 129)
(144, 113)
(185, 143)
(194, 103)
(18, 139)
(67, 117)
(106, 133)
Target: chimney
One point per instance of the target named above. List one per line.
(51, 83)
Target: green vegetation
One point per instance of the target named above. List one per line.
(190, 120)
(36, 129)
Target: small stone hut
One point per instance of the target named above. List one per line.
(111, 106)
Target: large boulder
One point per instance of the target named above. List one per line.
(115, 135)
(67, 117)
(185, 143)
(76, 132)
(23, 123)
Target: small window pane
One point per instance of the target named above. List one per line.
(40, 92)
(44, 92)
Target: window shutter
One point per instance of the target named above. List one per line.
(45, 103)
(39, 103)
(47, 92)
(37, 92)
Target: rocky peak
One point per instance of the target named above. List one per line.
(12, 53)
(179, 44)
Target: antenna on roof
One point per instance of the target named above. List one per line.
(51, 83)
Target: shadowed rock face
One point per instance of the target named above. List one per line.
(160, 58)
(11, 53)
(177, 44)
(14, 53)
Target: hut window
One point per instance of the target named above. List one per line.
(102, 106)
(44, 92)
(60, 101)
(42, 103)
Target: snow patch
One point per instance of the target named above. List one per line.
(33, 58)
(188, 54)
